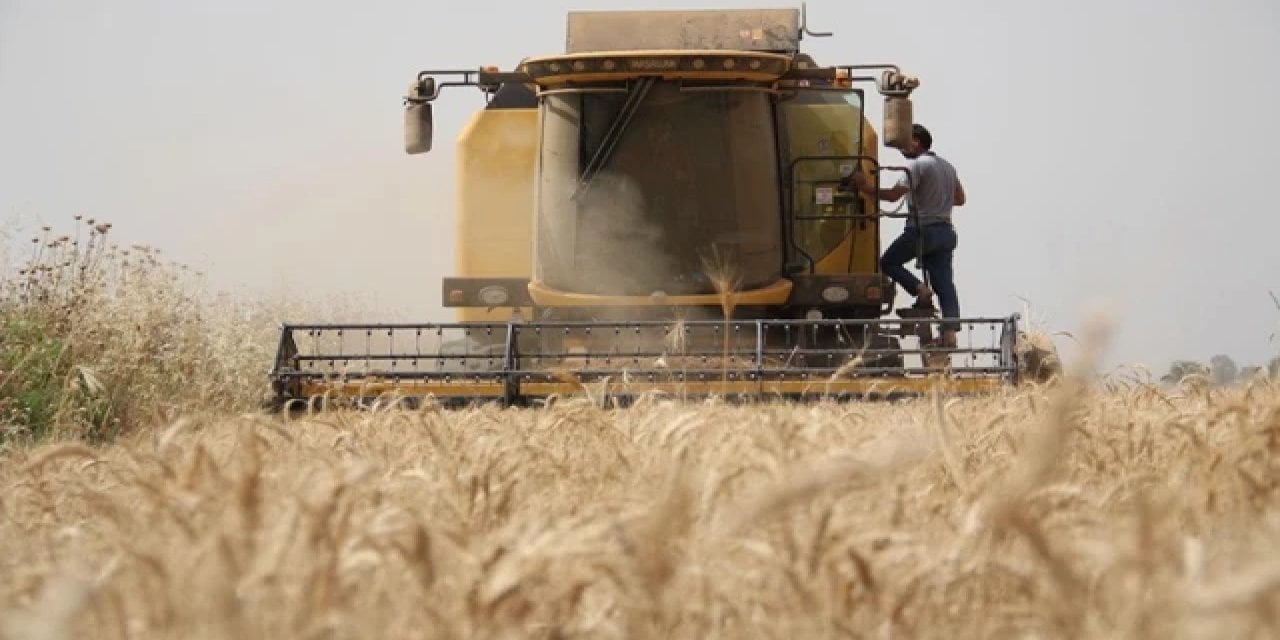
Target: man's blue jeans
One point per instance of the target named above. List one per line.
(939, 243)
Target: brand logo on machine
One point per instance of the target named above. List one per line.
(652, 64)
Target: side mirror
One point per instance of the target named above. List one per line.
(897, 122)
(418, 118)
(417, 127)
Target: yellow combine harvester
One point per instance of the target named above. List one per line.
(661, 208)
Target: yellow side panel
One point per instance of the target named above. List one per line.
(496, 153)
(865, 241)
(831, 130)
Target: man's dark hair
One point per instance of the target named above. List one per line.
(926, 139)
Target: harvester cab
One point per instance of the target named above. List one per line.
(664, 208)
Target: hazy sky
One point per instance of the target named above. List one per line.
(1115, 153)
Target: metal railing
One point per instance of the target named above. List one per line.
(508, 361)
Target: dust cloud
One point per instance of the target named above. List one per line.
(613, 242)
(619, 247)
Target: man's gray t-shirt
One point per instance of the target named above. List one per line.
(933, 188)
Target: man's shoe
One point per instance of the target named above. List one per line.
(925, 304)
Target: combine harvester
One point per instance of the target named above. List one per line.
(661, 209)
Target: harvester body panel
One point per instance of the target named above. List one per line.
(824, 132)
(496, 153)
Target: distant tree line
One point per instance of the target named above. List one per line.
(1221, 370)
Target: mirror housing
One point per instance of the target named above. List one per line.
(418, 122)
(417, 127)
(897, 121)
(896, 89)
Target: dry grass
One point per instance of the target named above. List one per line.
(1123, 512)
(97, 338)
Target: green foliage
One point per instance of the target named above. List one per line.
(31, 368)
(95, 339)
(41, 385)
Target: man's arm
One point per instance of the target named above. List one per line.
(891, 194)
(959, 199)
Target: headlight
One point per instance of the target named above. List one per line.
(835, 294)
(494, 295)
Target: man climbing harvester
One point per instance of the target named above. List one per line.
(934, 188)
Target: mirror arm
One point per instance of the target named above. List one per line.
(488, 80)
(891, 82)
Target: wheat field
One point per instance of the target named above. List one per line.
(144, 495)
(1055, 512)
